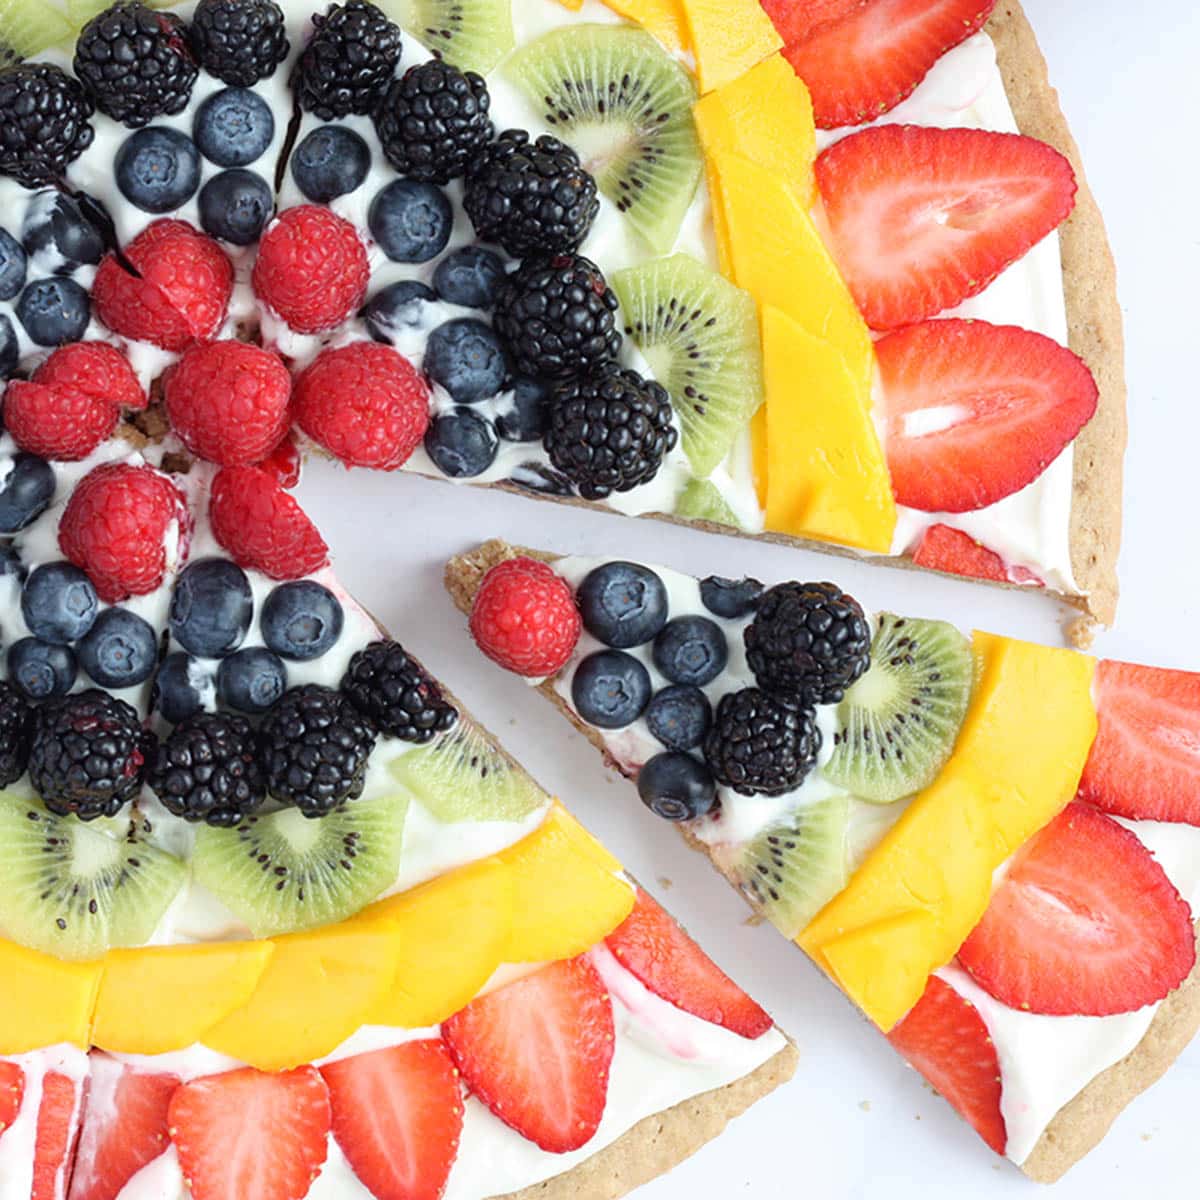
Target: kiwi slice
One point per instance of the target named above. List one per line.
(699, 334)
(27, 27)
(72, 889)
(461, 776)
(473, 35)
(700, 501)
(625, 106)
(283, 871)
(897, 725)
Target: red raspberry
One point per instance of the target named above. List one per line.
(524, 617)
(115, 528)
(311, 269)
(283, 463)
(57, 423)
(96, 369)
(364, 403)
(262, 527)
(228, 401)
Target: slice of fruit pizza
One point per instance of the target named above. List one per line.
(992, 847)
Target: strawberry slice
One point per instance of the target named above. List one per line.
(537, 1052)
(247, 1133)
(944, 548)
(652, 946)
(921, 219)
(54, 1143)
(944, 1038)
(12, 1092)
(795, 20)
(398, 1115)
(1145, 761)
(865, 63)
(1084, 922)
(975, 411)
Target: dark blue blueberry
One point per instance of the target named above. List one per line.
(329, 162)
(59, 603)
(467, 358)
(470, 276)
(13, 265)
(301, 620)
(676, 786)
(58, 235)
(179, 687)
(54, 311)
(41, 670)
(251, 680)
(411, 221)
(541, 478)
(691, 650)
(623, 604)
(158, 169)
(9, 350)
(211, 608)
(236, 205)
(398, 306)
(679, 716)
(120, 650)
(11, 565)
(611, 689)
(461, 443)
(525, 419)
(233, 127)
(730, 598)
(26, 492)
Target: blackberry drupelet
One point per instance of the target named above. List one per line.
(136, 63)
(759, 745)
(44, 123)
(395, 695)
(348, 62)
(239, 41)
(15, 716)
(809, 641)
(609, 430)
(314, 748)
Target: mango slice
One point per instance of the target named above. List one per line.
(728, 37)
(43, 1000)
(1017, 763)
(662, 18)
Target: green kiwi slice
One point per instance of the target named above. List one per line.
(625, 106)
(699, 334)
(27, 27)
(73, 889)
(700, 501)
(473, 35)
(898, 724)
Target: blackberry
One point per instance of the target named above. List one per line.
(433, 121)
(531, 197)
(44, 123)
(393, 692)
(207, 770)
(808, 641)
(136, 63)
(239, 41)
(87, 754)
(314, 749)
(759, 745)
(14, 734)
(348, 61)
(609, 430)
(558, 316)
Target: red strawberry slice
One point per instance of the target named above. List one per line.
(864, 64)
(944, 548)
(1145, 761)
(975, 411)
(12, 1092)
(944, 1038)
(397, 1115)
(250, 1134)
(921, 219)
(1084, 922)
(795, 20)
(652, 946)
(57, 1129)
(537, 1053)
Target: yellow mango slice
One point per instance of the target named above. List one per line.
(828, 477)
(44, 1000)
(728, 37)
(758, 453)
(662, 18)
(573, 5)
(1017, 762)
(167, 997)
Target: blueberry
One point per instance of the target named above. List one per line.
(329, 162)
(54, 311)
(59, 603)
(411, 221)
(461, 443)
(301, 620)
(9, 351)
(691, 650)
(470, 276)
(158, 169)
(251, 680)
(679, 716)
(611, 689)
(13, 265)
(397, 306)
(541, 478)
(525, 418)
(180, 687)
(730, 598)
(41, 670)
(623, 604)
(676, 786)
(236, 205)
(26, 492)
(120, 650)
(233, 127)
(211, 608)
(467, 358)
(11, 565)
(58, 235)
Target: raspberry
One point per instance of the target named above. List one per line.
(228, 401)
(260, 526)
(96, 369)
(283, 463)
(311, 269)
(365, 403)
(115, 528)
(57, 423)
(524, 617)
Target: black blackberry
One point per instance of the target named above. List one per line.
(314, 746)
(531, 197)
(348, 61)
(558, 316)
(44, 124)
(136, 63)
(207, 769)
(87, 754)
(14, 734)
(759, 745)
(395, 695)
(239, 41)
(609, 430)
(810, 641)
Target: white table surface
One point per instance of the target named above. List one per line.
(855, 1122)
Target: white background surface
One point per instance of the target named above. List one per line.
(855, 1122)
